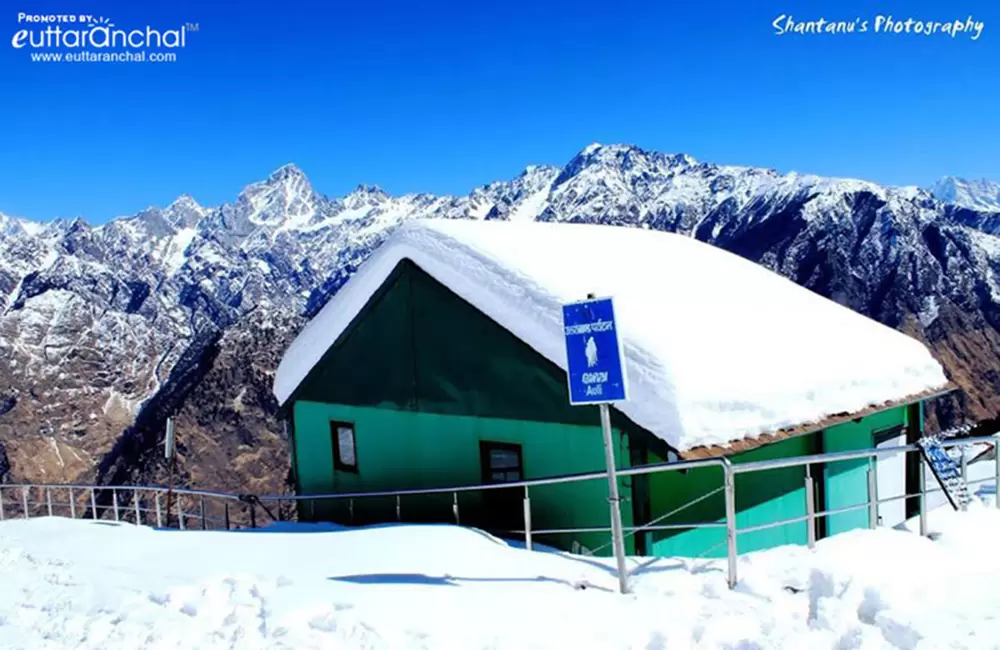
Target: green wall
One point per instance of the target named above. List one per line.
(760, 498)
(846, 481)
(407, 449)
(765, 497)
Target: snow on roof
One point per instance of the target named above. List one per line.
(717, 348)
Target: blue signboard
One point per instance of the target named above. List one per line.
(595, 367)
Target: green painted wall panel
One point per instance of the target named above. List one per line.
(670, 490)
(408, 449)
(760, 498)
(846, 482)
(371, 364)
(766, 497)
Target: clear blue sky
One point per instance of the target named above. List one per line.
(441, 97)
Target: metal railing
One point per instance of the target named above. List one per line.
(206, 510)
(142, 505)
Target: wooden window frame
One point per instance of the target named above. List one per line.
(485, 446)
(338, 463)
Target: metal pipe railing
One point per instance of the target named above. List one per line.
(126, 503)
(477, 487)
(834, 457)
(729, 470)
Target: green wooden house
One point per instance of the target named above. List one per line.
(440, 363)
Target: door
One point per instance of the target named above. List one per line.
(846, 481)
(890, 473)
(502, 462)
(637, 491)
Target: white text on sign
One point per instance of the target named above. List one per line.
(587, 328)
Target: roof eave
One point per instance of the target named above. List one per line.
(746, 444)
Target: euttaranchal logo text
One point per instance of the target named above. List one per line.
(84, 37)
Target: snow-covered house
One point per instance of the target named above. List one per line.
(441, 363)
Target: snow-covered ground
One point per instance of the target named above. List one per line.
(76, 584)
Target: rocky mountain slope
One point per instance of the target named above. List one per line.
(185, 311)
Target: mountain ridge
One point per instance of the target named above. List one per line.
(942, 190)
(981, 195)
(185, 310)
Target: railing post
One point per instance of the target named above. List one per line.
(350, 507)
(24, 497)
(872, 499)
(72, 504)
(964, 464)
(454, 507)
(114, 502)
(180, 512)
(399, 511)
(923, 501)
(527, 519)
(253, 515)
(731, 547)
(1, 503)
(93, 504)
(810, 509)
(138, 511)
(225, 515)
(996, 472)
(48, 500)
(159, 512)
(204, 523)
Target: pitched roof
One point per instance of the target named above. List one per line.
(717, 348)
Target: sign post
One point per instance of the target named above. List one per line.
(595, 371)
(169, 449)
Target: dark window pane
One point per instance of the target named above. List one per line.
(345, 455)
(503, 459)
(345, 442)
(501, 462)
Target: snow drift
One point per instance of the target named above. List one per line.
(89, 585)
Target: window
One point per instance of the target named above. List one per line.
(344, 454)
(501, 462)
(885, 435)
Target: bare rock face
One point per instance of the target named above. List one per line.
(4, 464)
(185, 311)
(228, 436)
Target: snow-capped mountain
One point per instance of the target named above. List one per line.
(10, 226)
(982, 195)
(106, 331)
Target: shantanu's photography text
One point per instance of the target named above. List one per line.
(967, 28)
